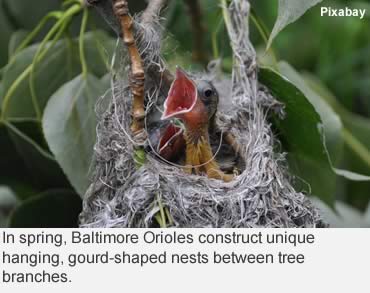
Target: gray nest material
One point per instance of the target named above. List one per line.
(123, 195)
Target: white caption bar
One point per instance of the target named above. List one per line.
(184, 260)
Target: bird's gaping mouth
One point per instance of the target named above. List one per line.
(182, 96)
(169, 135)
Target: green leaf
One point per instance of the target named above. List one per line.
(351, 175)
(7, 202)
(359, 143)
(15, 41)
(106, 81)
(44, 172)
(140, 157)
(69, 124)
(13, 171)
(51, 209)
(6, 32)
(301, 134)
(53, 71)
(330, 119)
(26, 14)
(60, 65)
(1, 92)
(335, 134)
(355, 133)
(8, 198)
(344, 217)
(99, 50)
(289, 11)
(106, 85)
(357, 148)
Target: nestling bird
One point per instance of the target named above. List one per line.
(195, 103)
(167, 140)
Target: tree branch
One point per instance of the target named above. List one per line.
(137, 77)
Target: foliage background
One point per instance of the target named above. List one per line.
(49, 84)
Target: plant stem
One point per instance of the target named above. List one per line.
(35, 32)
(159, 220)
(61, 27)
(40, 54)
(82, 43)
(225, 14)
(262, 31)
(12, 89)
(163, 216)
(169, 217)
(215, 49)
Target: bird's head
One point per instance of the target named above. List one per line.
(194, 102)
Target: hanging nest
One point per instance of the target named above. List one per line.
(122, 194)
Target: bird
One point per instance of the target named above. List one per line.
(194, 102)
(167, 140)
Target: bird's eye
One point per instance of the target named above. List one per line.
(208, 93)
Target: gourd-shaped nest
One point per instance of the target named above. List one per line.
(125, 195)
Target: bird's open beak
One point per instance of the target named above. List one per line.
(182, 96)
(170, 134)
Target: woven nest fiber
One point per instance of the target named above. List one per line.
(124, 195)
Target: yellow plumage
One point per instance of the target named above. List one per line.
(199, 157)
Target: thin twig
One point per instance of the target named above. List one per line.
(137, 76)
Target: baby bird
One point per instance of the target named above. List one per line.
(196, 105)
(167, 140)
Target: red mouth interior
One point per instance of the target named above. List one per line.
(169, 134)
(181, 97)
